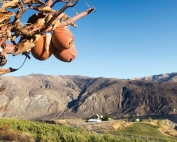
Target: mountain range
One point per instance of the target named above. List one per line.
(39, 96)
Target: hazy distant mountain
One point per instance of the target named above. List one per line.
(38, 96)
(161, 77)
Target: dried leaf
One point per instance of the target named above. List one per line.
(37, 36)
(9, 49)
(47, 42)
(3, 27)
(27, 1)
(47, 9)
(66, 17)
(40, 22)
(49, 17)
(37, 19)
(56, 22)
(33, 1)
(43, 8)
(9, 4)
(5, 16)
(23, 46)
(4, 71)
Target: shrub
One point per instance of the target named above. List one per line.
(86, 119)
(150, 119)
(159, 124)
(105, 117)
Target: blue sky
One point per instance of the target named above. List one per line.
(121, 39)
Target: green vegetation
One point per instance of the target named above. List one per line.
(42, 132)
(105, 117)
(142, 130)
(30, 131)
(159, 124)
(150, 119)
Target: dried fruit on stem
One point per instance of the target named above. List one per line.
(35, 35)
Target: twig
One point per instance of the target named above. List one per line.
(69, 4)
(76, 17)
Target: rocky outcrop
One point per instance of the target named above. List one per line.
(38, 96)
(120, 97)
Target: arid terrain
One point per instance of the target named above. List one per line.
(39, 96)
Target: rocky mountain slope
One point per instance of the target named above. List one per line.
(172, 77)
(38, 96)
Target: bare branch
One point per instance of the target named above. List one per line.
(76, 17)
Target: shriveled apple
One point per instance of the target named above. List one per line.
(66, 55)
(62, 38)
(43, 49)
